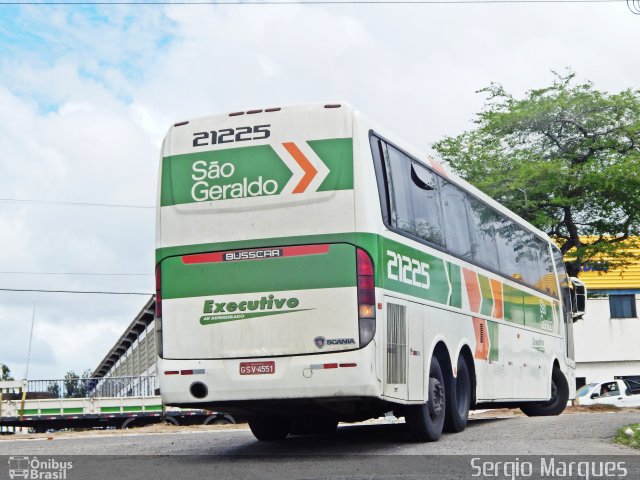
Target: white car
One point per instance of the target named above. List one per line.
(619, 393)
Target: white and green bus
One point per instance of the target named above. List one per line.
(313, 269)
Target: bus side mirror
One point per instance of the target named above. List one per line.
(579, 298)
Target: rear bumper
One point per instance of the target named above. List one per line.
(304, 377)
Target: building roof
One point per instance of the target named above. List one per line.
(141, 321)
(597, 275)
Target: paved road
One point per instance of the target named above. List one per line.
(358, 452)
(575, 434)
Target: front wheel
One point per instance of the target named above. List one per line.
(425, 422)
(269, 429)
(559, 398)
(458, 399)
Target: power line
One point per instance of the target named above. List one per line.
(70, 204)
(73, 291)
(78, 273)
(314, 2)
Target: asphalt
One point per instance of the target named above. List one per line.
(354, 452)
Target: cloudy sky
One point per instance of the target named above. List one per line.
(87, 92)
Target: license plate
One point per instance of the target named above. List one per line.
(257, 368)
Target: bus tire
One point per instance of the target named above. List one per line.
(458, 399)
(217, 419)
(269, 429)
(128, 423)
(171, 421)
(559, 398)
(222, 421)
(425, 422)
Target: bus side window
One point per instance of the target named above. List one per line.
(456, 222)
(415, 198)
(484, 220)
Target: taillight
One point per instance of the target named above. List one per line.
(366, 297)
(158, 315)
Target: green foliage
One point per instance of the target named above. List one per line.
(630, 441)
(76, 386)
(566, 158)
(54, 389)
(5, 372)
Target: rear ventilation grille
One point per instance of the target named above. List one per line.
(396, 344)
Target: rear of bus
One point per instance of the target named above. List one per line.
(265, 292)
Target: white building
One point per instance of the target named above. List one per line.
(607, 339)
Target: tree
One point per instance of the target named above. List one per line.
(566, 158)
(5, 372)
(76, 386)
(54, 389)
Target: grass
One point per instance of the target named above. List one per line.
(630, 441)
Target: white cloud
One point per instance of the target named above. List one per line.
(86, 95)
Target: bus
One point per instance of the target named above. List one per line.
(312, 268)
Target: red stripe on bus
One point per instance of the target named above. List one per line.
(496, 290)
(473, 289)
(202, 258)
(305, 250)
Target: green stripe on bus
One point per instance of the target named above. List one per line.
(73, 410)
(456, 285)
(185, 178)
(494, 340)
(153, 408)
(30, 411)
(538, 313)
(134, 408)
(403, 270)
(110, 409)
(513, 304)
(487, 295)
(377, 245)
(334, 269)
(337, 155)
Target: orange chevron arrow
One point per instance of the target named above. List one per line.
(309, 170)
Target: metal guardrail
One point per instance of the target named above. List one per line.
(141, 386)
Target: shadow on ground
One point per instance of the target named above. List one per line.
(348, 440)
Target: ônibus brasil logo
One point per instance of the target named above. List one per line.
(33, 468)
(218, 311)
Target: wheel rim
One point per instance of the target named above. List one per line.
(436, 397)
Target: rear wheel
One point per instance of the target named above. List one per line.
(269, 429)
(128, 423)
(218, 420)
(171, 421)
(559, 398)
(425, 422)
(458, 399)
